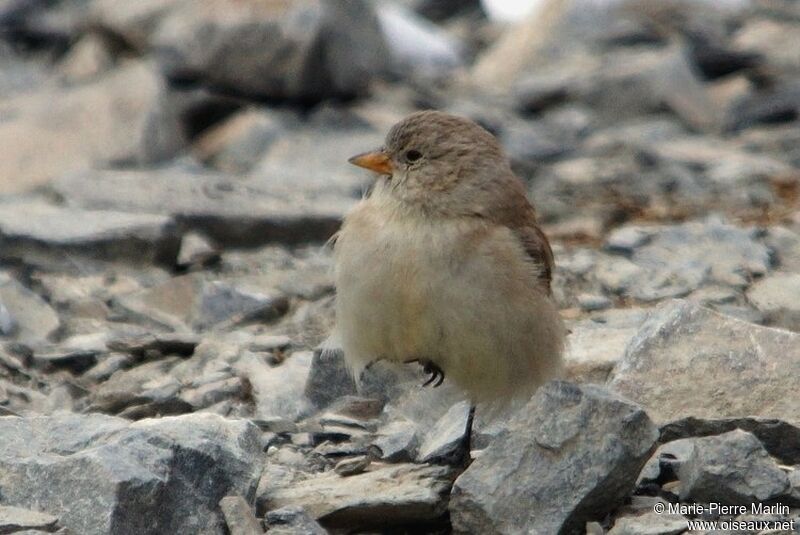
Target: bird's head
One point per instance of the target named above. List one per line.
(440, 161)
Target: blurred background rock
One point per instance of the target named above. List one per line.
(170, 171)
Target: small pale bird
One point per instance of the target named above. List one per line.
(443, 263)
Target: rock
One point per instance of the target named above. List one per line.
(239, 516)
(416, 46)
(785, 245)
(230, 212)
(776, 436)
(751, 369)
(16, 519)
(237, 143)
(132, 387)
(649, 523)
(352, 466)
(278, 391)
(593, 302)
(193, 302)
(40, 233)
(196, 252)
(761, 35)
(594, 346)
(383, 497)
(732, 469)
(446, 441)
(585, 442)
(27, 318)
(397, 441)
(48, 132)
(778, 298)
(135, 23)
(86, 60)
(305, 51)
(329, 378)
(99, 473)
(292, 520)
(675, 260)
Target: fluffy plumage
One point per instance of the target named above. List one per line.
(444, 262)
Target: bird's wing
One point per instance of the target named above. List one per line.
(538, 248)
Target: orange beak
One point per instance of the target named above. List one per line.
(377, 161)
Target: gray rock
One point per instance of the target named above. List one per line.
(40, 233)
(277, 390)
(446, 441)
(785, 244)
(383, 497)
(352, 466)
(329, 378)
(733, 469)
(196, 251)
(32, 319)
(194, 302)
(594, 302)
(676, 260)
(239, 516)
(777, 296)
(292, 520)
(16, 519)
(595, 345)
(570, 456)
(303, 51)
(397, 441)
(100, 474)
(649, 523)
(229, 211)
(416, 46)
(750, 370)
(53, 117)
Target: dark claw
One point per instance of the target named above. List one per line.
(436, 374)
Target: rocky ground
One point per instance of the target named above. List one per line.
(171, 169)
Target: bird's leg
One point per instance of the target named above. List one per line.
(435, 372)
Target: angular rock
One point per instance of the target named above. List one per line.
(397, 441)
(196, 252)
(229, 211)
(675, 260)
(594, 346)
(16, 519)
(49, 133)
(446, 441)
(382, 497)
(749, 371)
(732, 469)
(193, 302)
(239, 516)
(27, 317)
(570, 456)
(304, 51)
(104, 475)
(39, 233)
(650, 523)
(277, 390)
(329, 378)
(292, 520)
(777, 296)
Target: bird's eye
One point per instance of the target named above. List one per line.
(413, 155)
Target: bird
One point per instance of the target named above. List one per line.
(443, 263)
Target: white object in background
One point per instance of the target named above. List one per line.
(509, 10)
(415, 43)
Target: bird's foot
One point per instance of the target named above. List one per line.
(436, 374)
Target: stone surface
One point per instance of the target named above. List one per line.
(649, 524)
(304, 50)
(38, 232)
(26, 316)
(239, 516)
(733, 469)
(400, 493)
(99, 474)
(565, 459)
(447, 439)
(227, 210)
(292, 520)
(16, 519)
(778, 298)
(50, 132)
(749, 369)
